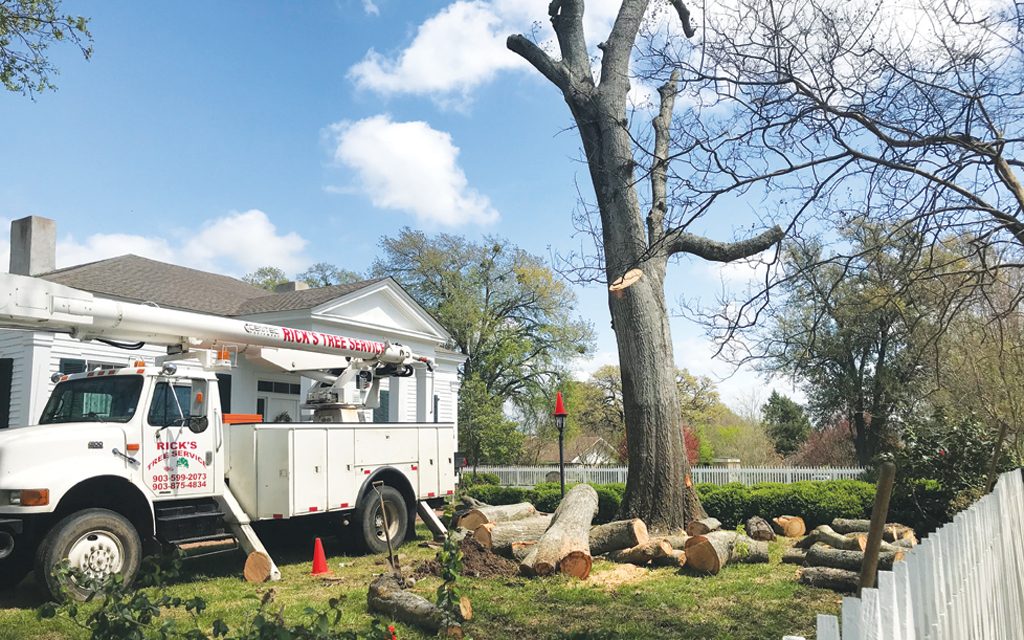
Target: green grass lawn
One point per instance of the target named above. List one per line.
(761, 602)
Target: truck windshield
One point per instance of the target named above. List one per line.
(108, 399)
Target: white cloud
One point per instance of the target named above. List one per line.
(463, 47)
(234, 244)
(408, 166)
(371, 8)
(583, 368)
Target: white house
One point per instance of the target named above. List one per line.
(374, 309)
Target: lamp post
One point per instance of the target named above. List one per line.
(560, 414)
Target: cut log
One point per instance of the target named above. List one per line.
(465, 609)
(709, 553)
(892, 532)
(641, 554)
(749, 551)
(469, 502)
(703, 526)
(675, 558)
(499, 536)
(386, 596)
(759, 529)
(621, 534)
(565, 546)
(503, 513)
(829, 578)
(826, 535)
(794, 555)
(257, 567)
(822, 556)
(519, 550)
(790, 526)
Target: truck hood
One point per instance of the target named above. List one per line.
(30, 456)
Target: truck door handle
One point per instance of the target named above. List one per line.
(124, 456)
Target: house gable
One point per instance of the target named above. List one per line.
(383, 305)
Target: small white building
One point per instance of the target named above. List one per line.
(374, 309)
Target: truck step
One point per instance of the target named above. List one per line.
(189, 521)
(207, 545)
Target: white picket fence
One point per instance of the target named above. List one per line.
(516, 476)
(963, 582)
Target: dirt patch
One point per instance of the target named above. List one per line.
(477, 562)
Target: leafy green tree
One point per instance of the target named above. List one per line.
(786, 422)
(27, 29)
(325, 274)
(486, 435)
(506, 310)
(266, 277)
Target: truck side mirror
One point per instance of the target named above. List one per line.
(198, 424)
(197, 419)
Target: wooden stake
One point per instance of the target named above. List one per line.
(869, 570)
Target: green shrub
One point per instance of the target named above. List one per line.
(817, 502)
(472, 479)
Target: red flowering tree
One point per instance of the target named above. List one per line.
(692, 441)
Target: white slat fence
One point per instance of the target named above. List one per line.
(963, 582)
(519, 476)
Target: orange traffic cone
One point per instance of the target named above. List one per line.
(319, 559)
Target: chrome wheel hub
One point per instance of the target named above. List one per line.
(97, 554)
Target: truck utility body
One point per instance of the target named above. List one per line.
(142, 454)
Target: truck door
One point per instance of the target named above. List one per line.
(177, 460)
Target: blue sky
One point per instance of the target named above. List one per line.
(230, 135)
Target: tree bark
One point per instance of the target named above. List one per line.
(822, 556)
(759, 529)
(519, 550)
(499, 536)
(502, 513)
(829, 578)
(709, 553)
(892, 533)
(621, 534)
(826, 535)
(703, 526)
(386, 596)
(565, 546)
(659, 488)
(794, 555)
(678, 541)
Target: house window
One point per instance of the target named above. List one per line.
(270, 386)
(68, 366)
(383, 413)
(261, 407)
(224, 386)
(6, 377)
(437, 405)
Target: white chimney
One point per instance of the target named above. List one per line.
(33, 246)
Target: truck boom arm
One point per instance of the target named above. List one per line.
(34, 303)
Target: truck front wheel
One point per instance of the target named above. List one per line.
(96, 542)
(370, 519)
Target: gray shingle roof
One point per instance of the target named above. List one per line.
(168, 285)
(305, 299)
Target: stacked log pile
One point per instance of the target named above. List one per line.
(832, 556)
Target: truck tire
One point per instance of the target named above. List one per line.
(370, 523)
(98, 542)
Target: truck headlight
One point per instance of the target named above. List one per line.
(30, 497)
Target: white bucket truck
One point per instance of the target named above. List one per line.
(129, 460)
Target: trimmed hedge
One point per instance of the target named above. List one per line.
(817, 502)
(470, 479)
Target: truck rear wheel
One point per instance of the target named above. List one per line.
(369, 519)
(97, 542)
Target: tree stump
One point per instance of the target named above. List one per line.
(499, 536)
(822, 556)
(829, 578)
(473, 518)
(703, 526)
(759, 529)
(621, 534)
(790, 526)
(386, 596)
(641, 554)
(565, 546)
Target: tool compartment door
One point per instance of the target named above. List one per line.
(309, 470)
(273, 473)
(446, 460)
(341, 461)
(428, 464)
